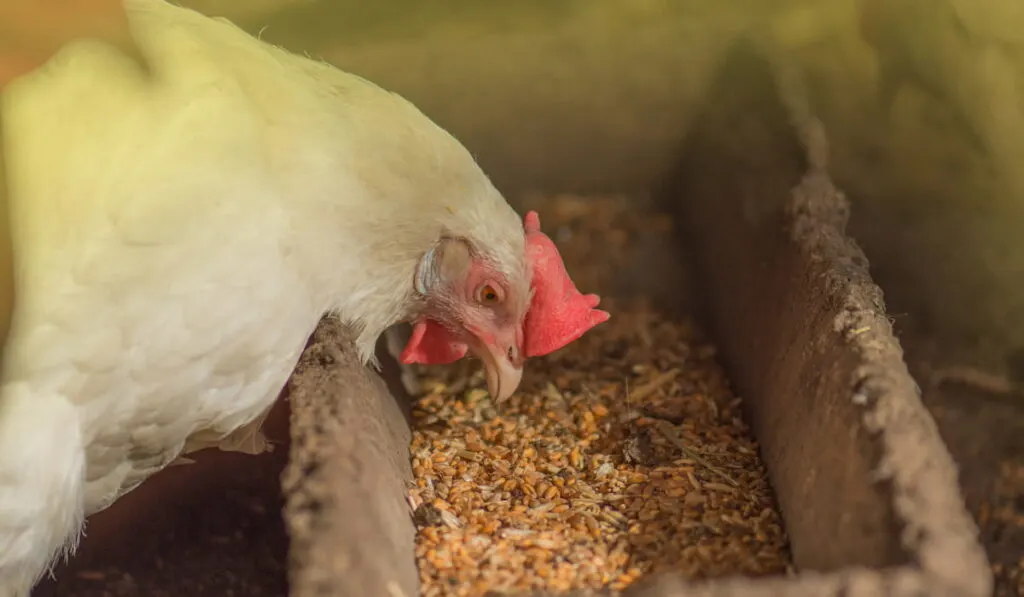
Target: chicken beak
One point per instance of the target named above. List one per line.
(504, 371)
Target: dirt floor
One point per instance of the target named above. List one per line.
(987, 436)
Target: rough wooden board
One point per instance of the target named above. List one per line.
(773, 317)
(351, 533)
(858, 466)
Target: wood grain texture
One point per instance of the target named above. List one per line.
(350, 528)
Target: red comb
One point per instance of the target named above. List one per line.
(432, 344)
(558, 313)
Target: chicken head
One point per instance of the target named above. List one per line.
(472, 307)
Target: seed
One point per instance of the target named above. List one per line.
(467, 455)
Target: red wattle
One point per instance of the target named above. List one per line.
(432, 344)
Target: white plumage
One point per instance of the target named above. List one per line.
(178, 237)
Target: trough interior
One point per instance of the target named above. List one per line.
(601, 97)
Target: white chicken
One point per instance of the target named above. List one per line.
(179, 232)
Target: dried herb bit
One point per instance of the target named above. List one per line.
(427, 516)
(637, 449)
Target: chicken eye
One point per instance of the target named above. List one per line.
(488, 294)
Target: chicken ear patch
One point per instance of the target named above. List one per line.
(432, 344)
(558, 313)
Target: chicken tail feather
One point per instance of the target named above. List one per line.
(42, 483)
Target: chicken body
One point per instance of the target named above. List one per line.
(178, 236)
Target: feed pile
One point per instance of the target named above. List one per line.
(622, 455)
